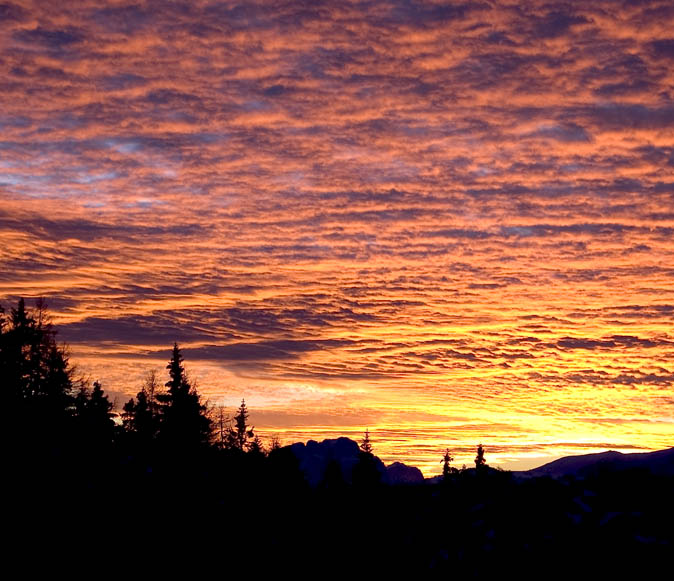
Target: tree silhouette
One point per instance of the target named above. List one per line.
(93, 411)
(365, 472)
(366, 445)
(480, 462)
(256, 446)
(274, 443)
(36, 378)
(447, 470)
(184, 423)
(222, 430)
(242, 433)
(140, 416)
(35, 369)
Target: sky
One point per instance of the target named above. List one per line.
(450, 223)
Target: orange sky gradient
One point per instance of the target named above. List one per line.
(449, 223)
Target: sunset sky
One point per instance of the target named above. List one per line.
(448, 223)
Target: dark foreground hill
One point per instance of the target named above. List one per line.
(206, 513)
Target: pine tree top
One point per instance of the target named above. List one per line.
(178, 380)
(479, 458)
(366, 444)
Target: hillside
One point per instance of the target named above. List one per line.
(660, 463)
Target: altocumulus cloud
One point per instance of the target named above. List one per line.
(460, 206)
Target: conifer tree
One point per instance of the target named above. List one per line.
(36, 386)
(34, 368)
(140, 416)
(242, 433)
(256, 447)
(93, 412)
(480, 462)
(184, 423)
(365, 473)
(274, 443)
(366, 445)
(446, 467)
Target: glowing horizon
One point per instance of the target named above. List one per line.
(448, 223)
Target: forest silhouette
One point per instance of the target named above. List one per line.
(170, 477)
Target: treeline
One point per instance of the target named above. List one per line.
(50, 409)
(171, 484)
(63, 425)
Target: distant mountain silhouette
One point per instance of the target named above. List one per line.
(315, 458)
(660, 462)
(399, 473)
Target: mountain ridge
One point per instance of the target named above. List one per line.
(314, 458)
(658, 462)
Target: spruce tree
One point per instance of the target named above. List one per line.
(242, 433)
(365, 472)
(94, 418)
(140, 417)
(184, 424)
(256, 447)
(446, 468)
(274, 443)
(34, 368)
(366, 445)
(480, 462)
(36, 388)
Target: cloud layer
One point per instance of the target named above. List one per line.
(417, 216)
